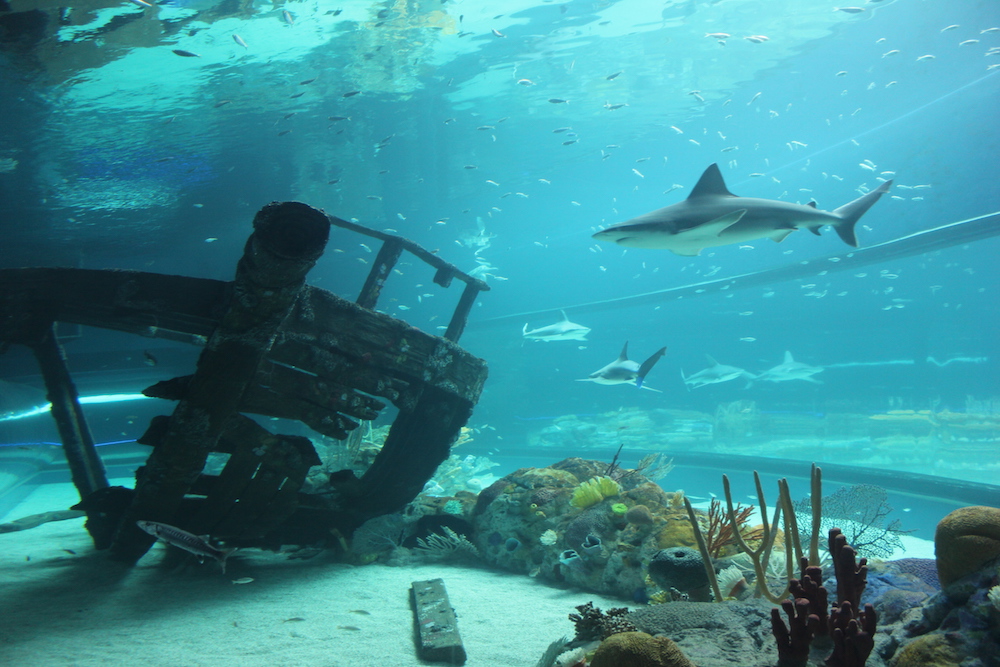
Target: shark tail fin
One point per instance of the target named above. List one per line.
(850, 213)
(648, 366)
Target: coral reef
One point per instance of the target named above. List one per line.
(681, 568)
(638, 649)
(594, 491)
(965, 540)
(592, 623)
(600, 544)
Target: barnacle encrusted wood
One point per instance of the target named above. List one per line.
(437, 626)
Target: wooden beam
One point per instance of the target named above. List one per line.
(437, 626)
(288, 238)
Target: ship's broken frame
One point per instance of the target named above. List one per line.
(272, 346)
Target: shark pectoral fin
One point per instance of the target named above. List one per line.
(686, 253)
(648, 365)
(724, 222)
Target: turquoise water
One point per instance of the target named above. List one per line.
(443, 123)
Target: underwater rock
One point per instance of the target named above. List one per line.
(927, 651)
(638, 649)
(678, 567)
(957, 626)
(639, 516)
(965, 540)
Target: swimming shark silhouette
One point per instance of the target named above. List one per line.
(714, 374)
(789, 369)
(625, 371)
(564, 330)
(713, 216)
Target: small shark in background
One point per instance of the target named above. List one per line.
(714, 374)
(564, 330)
(789, 369)
(713, 216)
(625, 371)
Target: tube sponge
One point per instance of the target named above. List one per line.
(594, 491)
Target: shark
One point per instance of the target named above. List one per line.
(564, 330)
(714, 216)
(714, 374)
(195, 544)
(789, 369)
(625, 371)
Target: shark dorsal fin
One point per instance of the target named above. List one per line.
(711, 183)
(624, 355)
(711, 361)
(565, 319)
(788, 357)
(812, 203)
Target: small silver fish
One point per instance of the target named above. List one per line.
(239, 40)
(186, 54)
(194, 544)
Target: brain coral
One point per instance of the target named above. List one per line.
(638, 649)
(965, 540)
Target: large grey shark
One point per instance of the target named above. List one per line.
(713, 216)
(789, 369)
(625, 371)
(564, 330)
(714, 374)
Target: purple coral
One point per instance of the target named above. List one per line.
(853, 638)
(806, 617)
(794, 640)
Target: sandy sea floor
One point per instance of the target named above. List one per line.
(62, 608)
(65, 604)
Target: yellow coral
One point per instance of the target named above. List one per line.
(594, 491)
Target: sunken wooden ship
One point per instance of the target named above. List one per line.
(272, 346)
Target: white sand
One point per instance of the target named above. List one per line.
(64, 609)
(81, 609)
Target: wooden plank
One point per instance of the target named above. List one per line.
(387, 257)
(437, 626)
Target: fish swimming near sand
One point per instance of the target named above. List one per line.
(564, 330)
(714, 374)
(713, 216)
(625, 371)
(789, 369)
(195, 544)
